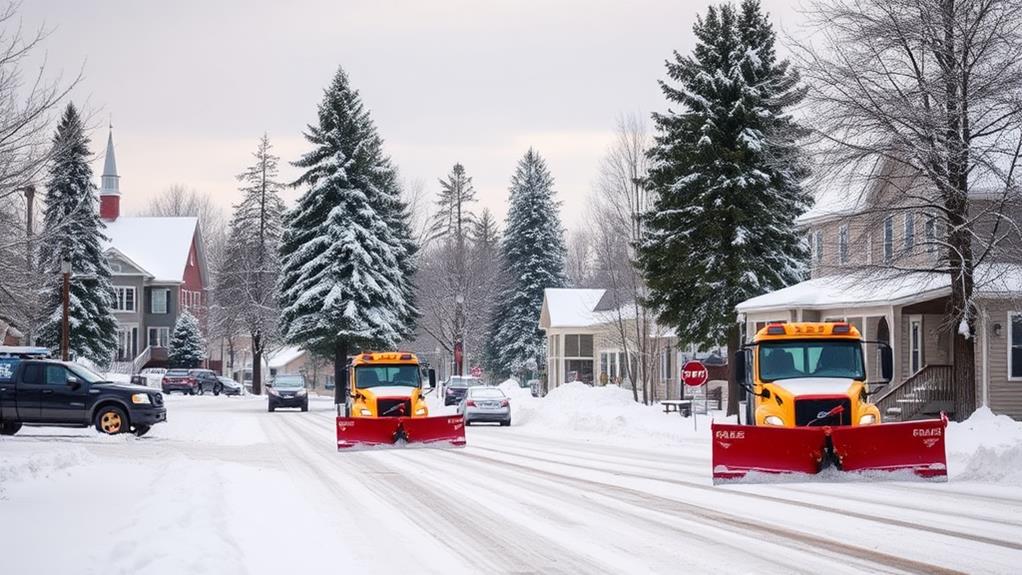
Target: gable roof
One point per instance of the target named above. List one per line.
(285, 355)
(158, 245)
(569, 307)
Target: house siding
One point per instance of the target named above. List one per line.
(1005, 396)
(159, 319)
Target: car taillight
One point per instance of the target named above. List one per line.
(470, 403)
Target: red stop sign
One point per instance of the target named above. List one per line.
(694, 373)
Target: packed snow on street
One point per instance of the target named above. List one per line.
(584, 481)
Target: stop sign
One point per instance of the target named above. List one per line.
(694, 373)
(477, 371)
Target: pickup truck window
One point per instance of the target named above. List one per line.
(32, 374)
(56, 375)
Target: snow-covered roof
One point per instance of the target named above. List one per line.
(159, 245)
(863, 289)
(570, 307)
(284, 356)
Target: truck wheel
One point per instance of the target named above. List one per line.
(111, 420)
(505, 423)
(305, 407)
(217, 389)
(9, 428)
(141, 430)
(270, 409)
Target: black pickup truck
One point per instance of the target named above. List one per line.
(56, 393)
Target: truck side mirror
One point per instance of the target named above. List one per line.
(432, 378)
(886, 363)
(73, 383)
(740, 366)
(341, 388)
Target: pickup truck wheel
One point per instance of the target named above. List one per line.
(217, 389)
(141, 430)
(9, 428)
(111, 420)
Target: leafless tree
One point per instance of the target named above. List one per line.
(579, 263)
(28, 102)
(619, 200)
(924, 97)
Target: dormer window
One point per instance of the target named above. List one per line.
(888, 239)
(910, 231)
(842, 244)
(819, 247)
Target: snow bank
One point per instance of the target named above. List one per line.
(607, 411)
(985, 447)
(21, 461)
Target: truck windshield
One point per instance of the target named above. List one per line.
(794, 359)
(367, 376)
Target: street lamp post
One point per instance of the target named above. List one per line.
(65, 268)
(459, 335)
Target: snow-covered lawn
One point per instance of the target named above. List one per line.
(585, 481)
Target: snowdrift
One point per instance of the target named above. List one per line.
(985, 447)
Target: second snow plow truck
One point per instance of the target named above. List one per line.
(381, 402)
(809, 409)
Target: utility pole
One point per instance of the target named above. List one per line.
(29, 263)
(65, 268)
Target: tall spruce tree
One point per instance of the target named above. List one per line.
(347, 253)
(74, 232)
(532, 254)
(727, 172)
(187, 349)
(251, 265)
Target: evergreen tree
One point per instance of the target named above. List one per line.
(532, 254)
(347, 253)
(727, 174)
(453, 215)
(251, 266)
(73, 232)
(187, 349)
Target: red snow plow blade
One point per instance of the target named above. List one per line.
(911, 450)
(358, 433)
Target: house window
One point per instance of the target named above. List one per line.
(578, 358)
(124, 298)
(665, 364)
(160, 301)
(1015, 346)
(612, 365)
(818, 252)
(888, 239)
(127, 343)
(159, 337)
(910, 231)
(931, 233)
(842, 244)
(915, 334)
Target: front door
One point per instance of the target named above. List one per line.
(915, 340)
(60, 401)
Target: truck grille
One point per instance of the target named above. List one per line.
(806, 410)
(393, 407)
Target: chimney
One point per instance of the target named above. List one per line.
(110, 190)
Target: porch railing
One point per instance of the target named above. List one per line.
(925, 394)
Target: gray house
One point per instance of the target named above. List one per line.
(159, 269)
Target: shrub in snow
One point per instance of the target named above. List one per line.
(186, 346)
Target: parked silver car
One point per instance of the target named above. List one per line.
(484, 403)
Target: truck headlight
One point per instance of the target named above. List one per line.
(420, 411)
(366, 412)
(868, 419)
(140, 399)
(774, 420)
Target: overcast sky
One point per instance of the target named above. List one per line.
(192, 84)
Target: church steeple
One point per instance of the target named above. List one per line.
(110, 188)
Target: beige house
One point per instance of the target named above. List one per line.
(585, 343)
(859, 241)
(290, 360)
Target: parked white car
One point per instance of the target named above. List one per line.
(485, 403)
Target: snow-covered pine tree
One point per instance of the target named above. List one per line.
(532, 254)
(453, 216)
(73, 232)
(187, 349)
(727, 173)
(246, 283)
(346, 252)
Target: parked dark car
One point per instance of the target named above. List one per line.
(179, 380)
(456, 386)
(226, 386)
(64, 394)
(205, 380)
(287, 391)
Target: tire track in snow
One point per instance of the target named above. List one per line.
(765, 532)
(782, 500)
(494, 542)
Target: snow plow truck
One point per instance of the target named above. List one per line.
(808, 410)
(381, 402)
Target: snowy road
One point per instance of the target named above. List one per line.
(225, 487)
